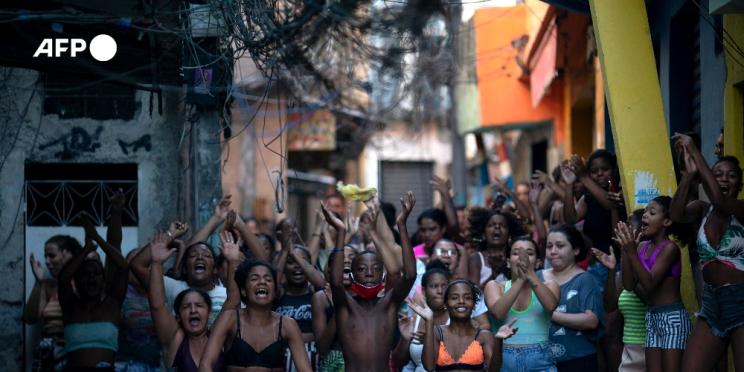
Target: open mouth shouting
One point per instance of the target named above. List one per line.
(262, 293)
(200, 267)
(195, 321)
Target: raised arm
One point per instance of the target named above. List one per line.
(727, 206)
(522, 209)
(222, 330)
(401, 354)
(250, 239)
(337, 261)
(383, 239)
(116, 269)
(231, 252)
(403, 286)
(313, 244)
(113, 232)
(220, 213)
(572, 211)
(579, 168)
(542, 233)
(682, 210)
(64, 282)
(38, 298)
(166, 326)
(443, 187)
(285, 240)
(431, 347)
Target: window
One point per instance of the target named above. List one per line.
(57, 194)
(72, 98)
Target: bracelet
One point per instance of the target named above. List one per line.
(337, 250)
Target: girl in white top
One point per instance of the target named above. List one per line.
(410, 346)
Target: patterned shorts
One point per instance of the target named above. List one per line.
(667, 326)
(332, 362)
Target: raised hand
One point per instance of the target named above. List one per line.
(286, 230)
(578, 166)
(117, 199)
(535, 189)
(422, 310)
(684, 141)
(690, 166)
(541, 177)
(608, 260)
(567, 174)
(441, 185)
(626, 238)
(230, 248)
(407, 202)
(616, 198)
(332, 220)
(177, 229)
(507, 330)
(230, 220)
(223, 208)
(159, 250)
(36, 267)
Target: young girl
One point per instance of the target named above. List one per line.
(721, 250)
(410, 346)
(460, 345)
(657, 268)
(578, 319)
(254, 337)
(529, 300)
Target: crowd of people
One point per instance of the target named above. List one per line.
(553, 276)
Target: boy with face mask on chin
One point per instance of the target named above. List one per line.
(365, 322)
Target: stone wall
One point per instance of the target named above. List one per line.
(26, 135)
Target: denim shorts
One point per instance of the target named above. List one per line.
(723, 308)
(527, 359)
(667, 326)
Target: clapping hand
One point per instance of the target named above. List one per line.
(626, 238)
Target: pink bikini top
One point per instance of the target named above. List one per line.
(648, 263)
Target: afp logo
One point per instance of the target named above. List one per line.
(102, 48)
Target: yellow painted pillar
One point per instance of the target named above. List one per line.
(733, 96)
(633, 95)
(634, 99)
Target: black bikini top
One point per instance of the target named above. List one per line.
(242, 354)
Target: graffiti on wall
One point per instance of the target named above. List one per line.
(75, 143)
(134, 146)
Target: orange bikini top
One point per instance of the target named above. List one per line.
(472, 359)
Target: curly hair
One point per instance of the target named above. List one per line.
(478, 219)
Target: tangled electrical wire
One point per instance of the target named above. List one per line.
(372, 54)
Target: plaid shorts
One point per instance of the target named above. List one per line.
(667, 326)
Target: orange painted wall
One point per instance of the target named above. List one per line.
(505, 100)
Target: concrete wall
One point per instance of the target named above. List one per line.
(712, 70)
(159, 175)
